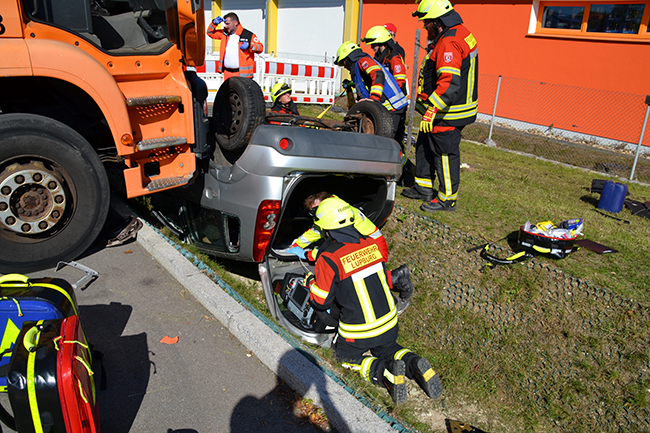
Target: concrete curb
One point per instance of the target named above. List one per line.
(344, 412)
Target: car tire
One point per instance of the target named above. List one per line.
(234, 127)
(376, 119)
(54, 193)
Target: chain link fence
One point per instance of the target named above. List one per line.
(571, 352)
(595, 129)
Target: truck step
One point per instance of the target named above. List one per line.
(156, 143)
(144, 101)
(165, 183)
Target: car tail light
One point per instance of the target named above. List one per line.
(267, 218)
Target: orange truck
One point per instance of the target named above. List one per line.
(84, 82)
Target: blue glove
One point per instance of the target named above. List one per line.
(217, 21)
(300, 252)
(244, 46)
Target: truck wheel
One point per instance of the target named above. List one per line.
(234, 127)
(54, 193)
(376, 119)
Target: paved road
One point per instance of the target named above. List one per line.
(206, 382)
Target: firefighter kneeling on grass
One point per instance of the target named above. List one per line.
(350, 289)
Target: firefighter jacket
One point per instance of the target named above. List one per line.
(246, 57)
(290, 108)
(373, 81)
(361, 222)
(394, 62)
(449, 77)
(352, 277)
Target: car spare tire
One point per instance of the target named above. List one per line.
(375, 120)
(238, 109)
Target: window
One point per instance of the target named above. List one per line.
(622, 20)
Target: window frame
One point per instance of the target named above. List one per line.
(644, 27)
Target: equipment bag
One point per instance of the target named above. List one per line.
(543, 238)
(50, 383)
(23, 299)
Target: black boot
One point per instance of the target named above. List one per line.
(402, 282)
(424, 375)
(395, 381)
(417, 195)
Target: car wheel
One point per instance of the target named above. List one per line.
(375, 120)
(238, 109)
(54, 193)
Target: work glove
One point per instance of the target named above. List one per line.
(217, 21)
(347, 84)
(426, 125)
(244, 46)
(309, 280)
(300, 252)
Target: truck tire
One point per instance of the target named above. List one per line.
(234, 127)
(54, 193)
(377, 120)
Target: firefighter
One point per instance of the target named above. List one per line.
(386, 54)
(282, 102)
(372, 80)
(350, 279)
(447, 99)
(237, 47)
(400, 277)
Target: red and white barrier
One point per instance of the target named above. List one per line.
(311, 82)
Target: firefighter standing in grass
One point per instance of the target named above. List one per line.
(237, 47)
(282, 102)
(372, 80)
(350, 280)
(447, 99)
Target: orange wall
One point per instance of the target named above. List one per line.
(544, 79)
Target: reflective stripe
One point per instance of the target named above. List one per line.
(357, 332)
(31, 386)
(364, 300)
(471, 78)
(449, 70)
(447, 174)
(400, 353)
(365, 367)
(424, 182)
(318, 293)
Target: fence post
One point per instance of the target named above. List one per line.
(638, 147)
(414, 80)
(489, 140)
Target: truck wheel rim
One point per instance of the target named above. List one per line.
(32, 198)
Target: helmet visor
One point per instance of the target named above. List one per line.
(419, 14)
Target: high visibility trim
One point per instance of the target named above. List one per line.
(471, 79)
(437, 102)
(448, 70)
(366, 364)
(318, 293)
(60, 290)
(424, 182)
(15, 301)
(373, 68)
(345, 332)
(365, 273)
(351, 366)
(364, 300)
(31, 385)
(400, 353)
(446, 172)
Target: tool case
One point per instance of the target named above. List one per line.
(50, 382)
(23, 299)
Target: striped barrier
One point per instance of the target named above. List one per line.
(311, 82)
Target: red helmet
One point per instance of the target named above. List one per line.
(390, 27)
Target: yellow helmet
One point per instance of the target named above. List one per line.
(431, 9)
(377, 35)
(344, 50)
(334, 213)
(278, 90)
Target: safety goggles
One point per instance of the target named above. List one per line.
(418, 14)
(312, 212)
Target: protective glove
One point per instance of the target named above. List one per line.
(426, 125)
(300, 252)
(217, 21)
(244, 46)
(347, 84)
(309, 280)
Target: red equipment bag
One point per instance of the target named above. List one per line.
(50, 382)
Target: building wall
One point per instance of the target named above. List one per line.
(597, 86)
